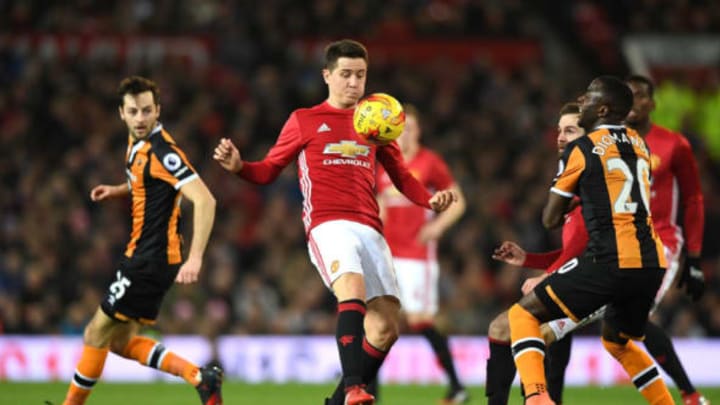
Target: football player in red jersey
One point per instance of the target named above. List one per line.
(412, 233)
(336, 171)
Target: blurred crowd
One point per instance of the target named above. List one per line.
(60, 135)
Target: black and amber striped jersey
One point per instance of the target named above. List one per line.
(609, 169)
(156, 168)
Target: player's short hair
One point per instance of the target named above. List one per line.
(617, 95)
(570, 108)
(135, 85)
(642, 80)
(347, 48)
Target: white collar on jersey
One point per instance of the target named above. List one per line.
(156, 130)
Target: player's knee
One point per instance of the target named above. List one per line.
(118, 346)
(119, 343)
(94, 336)
(547, 334)
(499, 329)
(616, 349)
(382, 332)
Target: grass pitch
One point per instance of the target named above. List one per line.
(296, 394)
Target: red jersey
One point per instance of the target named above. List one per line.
(574, 242)
(336, 167)
(675, 188)
(403, 219)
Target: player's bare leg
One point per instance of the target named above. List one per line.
(96, 340)
(104, 334)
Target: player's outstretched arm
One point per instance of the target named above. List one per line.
(510, 253)
(228, 156)
(203, 217)
(105, 191)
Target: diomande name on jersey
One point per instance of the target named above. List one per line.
(612, 138)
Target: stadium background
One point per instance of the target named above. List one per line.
(488, 76)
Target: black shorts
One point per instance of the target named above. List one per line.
(138, 289)
(581, 286)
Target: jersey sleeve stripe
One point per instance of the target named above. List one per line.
(561, 192)
(185, 181)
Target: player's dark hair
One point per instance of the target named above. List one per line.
(649, 85)
(346, 48)
(135, 85)
(570, 108)
(617, 95)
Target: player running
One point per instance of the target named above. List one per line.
(158, 175)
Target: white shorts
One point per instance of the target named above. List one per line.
(418, 280)
(563, 326)
(339, 247)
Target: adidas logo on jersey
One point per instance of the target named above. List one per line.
(323, 128)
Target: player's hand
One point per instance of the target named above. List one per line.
(189, 271)
(441, 200)
(531, 283)
(510, 253)
(101, 192)
(228, 156)
(693, 278)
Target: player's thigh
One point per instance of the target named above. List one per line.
(417, 281)
(335, 250)
(576, 290)
(628, 311)
(341, 247)
(378, 268)
(99, 329)
(138, 289)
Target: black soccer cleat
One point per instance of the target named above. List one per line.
(210, 384)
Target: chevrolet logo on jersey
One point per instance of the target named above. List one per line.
(347, 149)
